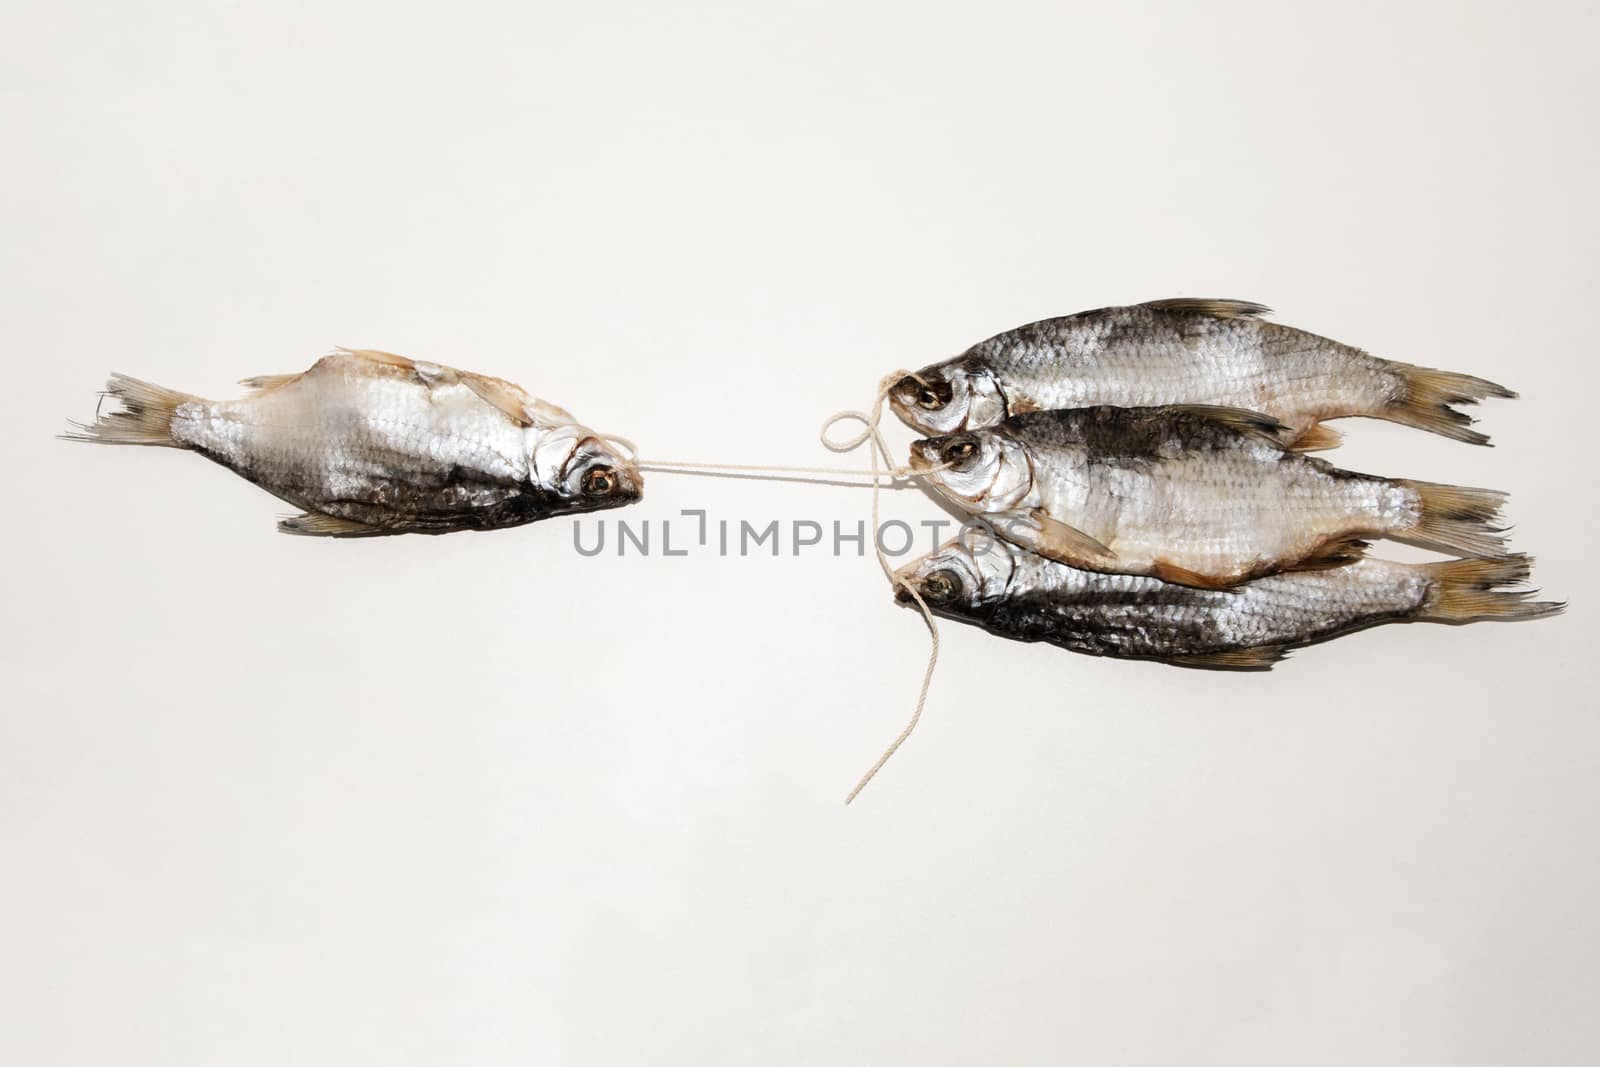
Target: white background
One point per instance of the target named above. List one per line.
(475, 799)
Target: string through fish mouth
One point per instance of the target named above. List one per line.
(777, 473)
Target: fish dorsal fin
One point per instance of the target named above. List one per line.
(1217, 309)
(1068, 544)
(508, 397)
(339, 362)
(434, 375)
(1251, 422)
(316, 524)
(373, 355)
(1259, 658)
(262, 383)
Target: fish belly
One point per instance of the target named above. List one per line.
(373, 448)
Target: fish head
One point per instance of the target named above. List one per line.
(962, 577)
(981, 470)
(582, 470)
(948, 397)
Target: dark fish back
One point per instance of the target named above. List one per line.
(1134, 433)
(1102, 620)
(1087, 337)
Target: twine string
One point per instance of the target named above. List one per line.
(883, 473)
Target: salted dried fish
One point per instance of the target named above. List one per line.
(1202, 496)
(1023, 596)
(369, 443)
(1185, 352)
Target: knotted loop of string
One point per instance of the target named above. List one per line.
(880, 448)
(869, 432)
(883, 472)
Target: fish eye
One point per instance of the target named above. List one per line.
(959, 454)
(599, 481)
(932, 396)
(941, 587)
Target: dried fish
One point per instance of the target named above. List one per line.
(1198, 495)
(1023, 596)
(370, 443)
(1185, 352)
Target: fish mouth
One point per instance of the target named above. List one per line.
(626, 487)
(903, 394)
(912, 590)
(630, 488)
(921, 461)
(903, 590)
(923, 401)
(905, 580)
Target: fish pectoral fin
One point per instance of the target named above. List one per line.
(1171, 572)
(1258, 658)
(544, 413)
(1217, 309)
(261, 383)
(510, 399)
(1240, 419)
(316, 524)
(1334, 552)
(1315, 438)
(1068, 544)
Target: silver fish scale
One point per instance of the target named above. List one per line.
(1134, 616)
(382, 442)
(348, 440)
(368, 442)
(1216, 511)
(1142, 356)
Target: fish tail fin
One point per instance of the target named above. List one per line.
(1427, 398)
(145, 418)
(1458, 519)
(1464, 590)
